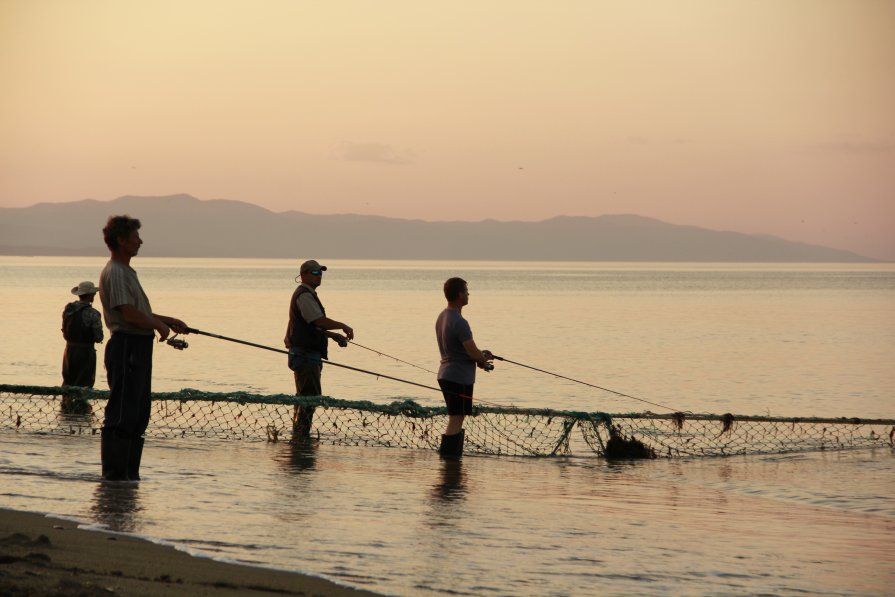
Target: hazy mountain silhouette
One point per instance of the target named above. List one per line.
(183, 226)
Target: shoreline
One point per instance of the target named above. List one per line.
(42, 556)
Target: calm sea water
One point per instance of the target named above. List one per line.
(792, 340)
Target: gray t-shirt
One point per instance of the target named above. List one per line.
(118, 285)
(308, 305)
(451, 331)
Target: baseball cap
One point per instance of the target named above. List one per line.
(310, 266)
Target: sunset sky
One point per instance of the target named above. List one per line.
(759, 116)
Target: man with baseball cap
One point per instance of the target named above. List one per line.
(307, 335)
(82, 327)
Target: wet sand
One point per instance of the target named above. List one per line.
(41, 556)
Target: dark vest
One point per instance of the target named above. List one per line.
(73, 327)
(303, 335)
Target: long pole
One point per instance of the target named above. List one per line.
(328, 362)
(582, 382)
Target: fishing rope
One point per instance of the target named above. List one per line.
(328, 362)
(585, 383)
(382, 354)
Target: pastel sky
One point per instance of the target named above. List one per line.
(759, 116)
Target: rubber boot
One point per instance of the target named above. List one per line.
(114, 455)
(445, 448)
(135, 454)
(452, 445)
(301, 424)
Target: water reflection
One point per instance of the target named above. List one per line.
(75, 414)
(299, 456)
(452, 485)
(116, 505)
(403, 522)
(73, 403)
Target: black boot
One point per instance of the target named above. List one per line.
(446, 442)
(135, 454)
(302, 421)
(452, 445)
(114, 455)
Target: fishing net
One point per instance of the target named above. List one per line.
(406, 424)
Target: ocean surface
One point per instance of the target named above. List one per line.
(752, 339)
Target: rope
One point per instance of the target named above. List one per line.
(382, 354)
(584, 383)
(326, 362)
(333, 363)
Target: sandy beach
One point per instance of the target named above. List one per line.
(42, 556)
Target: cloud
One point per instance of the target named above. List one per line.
(858, 145)
(642, 140)
(374, 152)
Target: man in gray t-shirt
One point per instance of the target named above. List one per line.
(128, 357)
(122, 287)
(459, 358)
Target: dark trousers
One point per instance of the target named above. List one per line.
(129, 373)
(307, 368)
(79, 365)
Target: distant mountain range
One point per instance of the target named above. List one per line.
(183, 226)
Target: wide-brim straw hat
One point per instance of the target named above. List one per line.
(84, 288)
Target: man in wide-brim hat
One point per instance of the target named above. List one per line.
(82, 329)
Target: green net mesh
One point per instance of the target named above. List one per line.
(406, 424)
